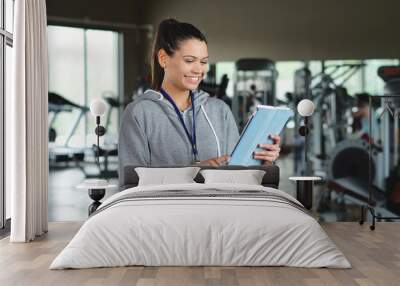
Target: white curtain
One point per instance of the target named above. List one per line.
(27, 123)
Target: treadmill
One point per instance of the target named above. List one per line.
(63, 153)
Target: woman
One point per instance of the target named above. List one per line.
(174, 123)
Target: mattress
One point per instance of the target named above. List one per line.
(201, 225)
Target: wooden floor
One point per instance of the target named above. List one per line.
(374, 255)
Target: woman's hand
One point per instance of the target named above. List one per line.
(270, 152)
(217, 161)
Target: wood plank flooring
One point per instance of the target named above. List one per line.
(375, 257)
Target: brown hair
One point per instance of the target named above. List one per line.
(169, 35)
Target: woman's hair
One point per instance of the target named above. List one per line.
(169, 36)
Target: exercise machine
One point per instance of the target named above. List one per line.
(390, 116)
(254, 84)
(302, 90)
(332, 116)
(217, 90)
(64, 153)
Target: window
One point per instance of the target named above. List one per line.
(227, 68)
(83, 65)
(374, 84)
(67, 79)
(6, 42)
(102, 75)
(285, 80)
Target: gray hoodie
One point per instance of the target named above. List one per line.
(152, 135)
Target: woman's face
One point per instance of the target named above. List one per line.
(187, 66)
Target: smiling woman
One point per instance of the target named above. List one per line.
(175, 123)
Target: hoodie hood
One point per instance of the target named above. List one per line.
(199, 98)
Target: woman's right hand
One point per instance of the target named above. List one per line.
(215, 162)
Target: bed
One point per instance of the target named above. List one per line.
(197, 224)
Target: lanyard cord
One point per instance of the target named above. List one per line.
(192, 138)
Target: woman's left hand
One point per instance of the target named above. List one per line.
(270, 152)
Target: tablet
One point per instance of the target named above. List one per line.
(266, 120)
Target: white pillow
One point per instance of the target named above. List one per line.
(248, 177)
(165, 176)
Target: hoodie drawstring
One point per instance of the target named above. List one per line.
(213, 130)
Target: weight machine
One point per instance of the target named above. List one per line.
(64, 153)
(330, 120)
(254, 84)
(390, 116)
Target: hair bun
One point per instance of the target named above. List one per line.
(168, 22)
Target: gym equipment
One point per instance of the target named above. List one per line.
(254, 84)
(343, 162)
(218, 90)
(302, 84)
(351, 166)
(333, 109)
(64, 153)
(58, 104)
(302, 90)
(390, 138)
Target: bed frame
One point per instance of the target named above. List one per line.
(130, 178)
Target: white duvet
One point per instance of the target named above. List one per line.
(182, 231)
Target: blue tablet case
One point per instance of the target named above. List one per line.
(265, 121)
